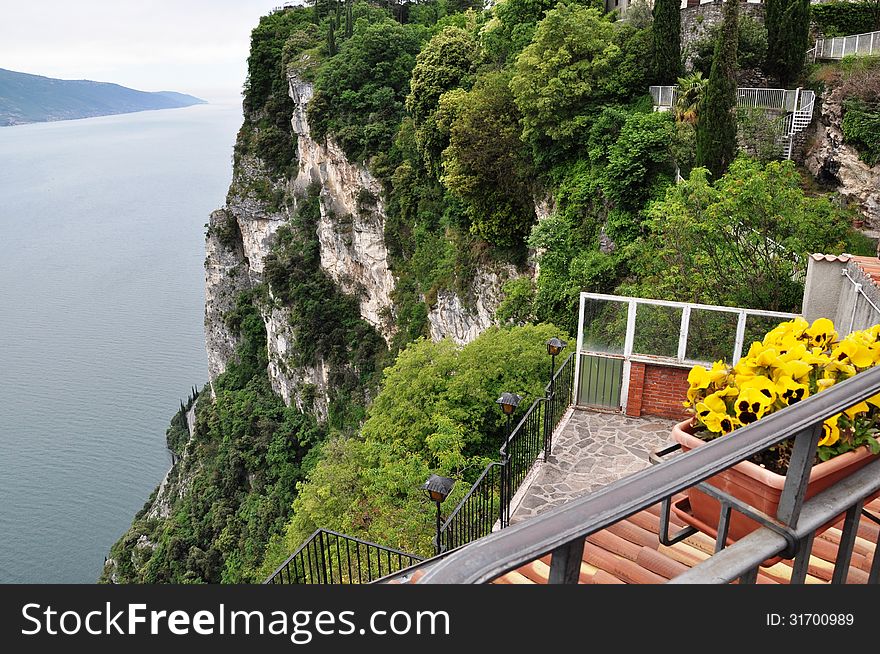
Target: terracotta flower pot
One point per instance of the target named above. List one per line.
(756, 486)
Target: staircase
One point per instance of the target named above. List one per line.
(798, 120)
(797, 105)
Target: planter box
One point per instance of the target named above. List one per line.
(756, 486)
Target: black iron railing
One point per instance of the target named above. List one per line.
(559, 399)
(561, 531)
(488, 502)
(328, 557)
(476, 515)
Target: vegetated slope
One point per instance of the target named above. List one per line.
(517, 134)
(26, 98)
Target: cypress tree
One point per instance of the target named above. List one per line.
(667, 41)
(331, 37)
(788, 28)
(716, 128)
(349, 26)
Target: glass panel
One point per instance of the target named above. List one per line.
(657, 330)
(604, 326)
(711, 335)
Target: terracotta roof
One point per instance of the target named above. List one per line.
(870, 266)
(630, 552)
(843, 258)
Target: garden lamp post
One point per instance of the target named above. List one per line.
(438, 488)
(554, 347)
(508, 402)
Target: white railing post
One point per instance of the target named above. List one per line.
(627, 353)
(740, 337)
(683, 332)
(577, 354)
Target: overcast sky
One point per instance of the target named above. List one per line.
(192, 46)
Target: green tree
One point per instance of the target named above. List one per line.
(788, 27)
(447, 62)
(739, 241)
(486, 164)
(716, 130)
(667, 41)
(558, 77)
(359, 93)
(435, 412)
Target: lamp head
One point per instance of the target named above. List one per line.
(555, 346)
(438, 488)
(508, 402)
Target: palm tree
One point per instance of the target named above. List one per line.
(690, 96)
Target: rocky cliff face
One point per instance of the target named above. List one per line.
(353, 253)
(833, 161)
(351, 229)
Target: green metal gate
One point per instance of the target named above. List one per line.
(600, 381)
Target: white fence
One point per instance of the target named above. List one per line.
(842, 46)
(679, 334)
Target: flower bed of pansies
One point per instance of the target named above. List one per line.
(794, 360)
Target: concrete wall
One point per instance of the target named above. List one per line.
(697, 19)
(829, 293)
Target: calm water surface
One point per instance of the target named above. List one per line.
(101, 306)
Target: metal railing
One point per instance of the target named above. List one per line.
(797, 104)
(328, 557)
(663, 332)
(488, 502)
(562, 531)
(863, 45)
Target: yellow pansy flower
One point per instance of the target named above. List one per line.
(794, 369)
(821, 333)
(764, 385)
(830, 431)
(856, 409)
(855, 352)
(750, 405)
(791, 391)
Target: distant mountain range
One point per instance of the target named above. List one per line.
(28, 98)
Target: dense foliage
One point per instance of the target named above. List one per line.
(861, 127)
(740, 241)
(843, 18)
(435, 413)
(667, 41)
(788, 27)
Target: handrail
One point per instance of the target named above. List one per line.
(864, 44)
(487, 503)
(312, 562)
(563, 528)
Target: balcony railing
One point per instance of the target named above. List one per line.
(839, 47)
(561, 531)
(488, 503)
(328, 557)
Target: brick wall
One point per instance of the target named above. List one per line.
(657, 390)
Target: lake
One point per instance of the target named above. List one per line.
(102, 226)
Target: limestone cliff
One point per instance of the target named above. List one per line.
(833, 161)
(352, 251)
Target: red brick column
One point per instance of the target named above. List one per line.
(636, 389)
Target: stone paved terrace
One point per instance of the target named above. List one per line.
(591, 450)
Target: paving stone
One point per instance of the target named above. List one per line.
(594, 449)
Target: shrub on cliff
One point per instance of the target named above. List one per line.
(435, 413)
